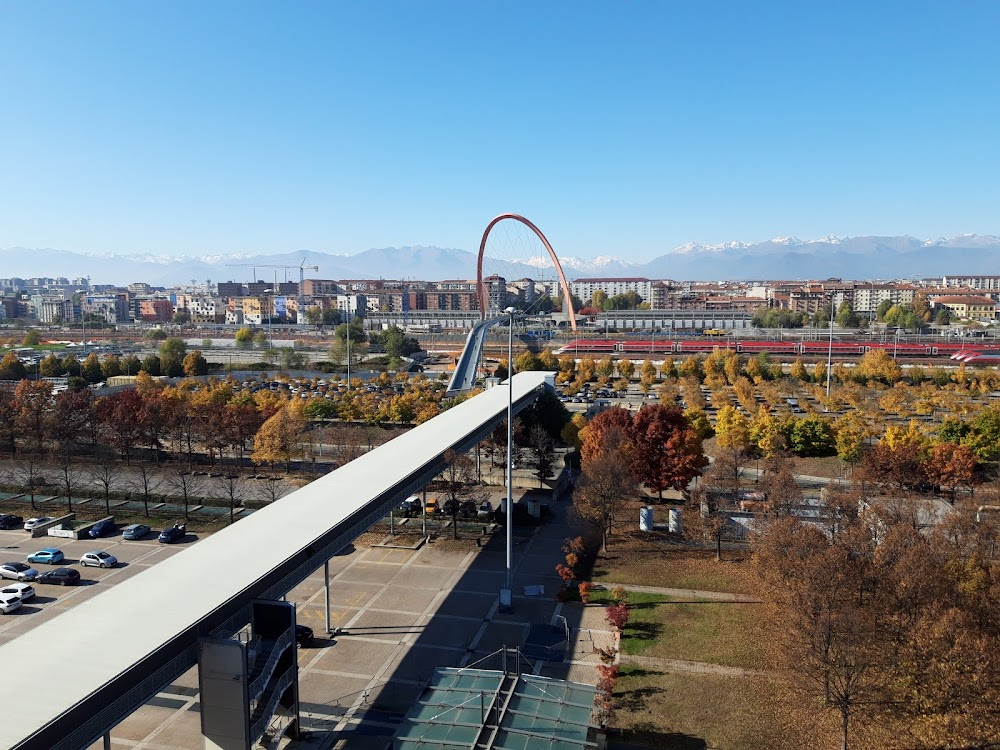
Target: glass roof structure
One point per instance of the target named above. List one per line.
(488, 710)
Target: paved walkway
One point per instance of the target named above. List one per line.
(718, 596)
(690, 667)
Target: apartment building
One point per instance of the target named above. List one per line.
(585, 288)
(982, 283)
(155, 310)
(111, 308)
(968, 307)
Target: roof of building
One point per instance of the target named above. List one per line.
(609, 279)
(535, 713)
(963, 299)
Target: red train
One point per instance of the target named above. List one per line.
(643, 347)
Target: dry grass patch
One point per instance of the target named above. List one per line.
(661, 559)
(686, 711)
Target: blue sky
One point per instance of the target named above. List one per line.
(619, 128)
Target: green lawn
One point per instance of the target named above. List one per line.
(665, 627)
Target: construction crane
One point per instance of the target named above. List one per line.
(302, 278)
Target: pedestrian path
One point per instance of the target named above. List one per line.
(690, 667)
(718, 596)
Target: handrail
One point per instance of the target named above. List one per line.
(258, 725)
(267, 671)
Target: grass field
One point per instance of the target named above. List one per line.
(659, 559)
(687, 711)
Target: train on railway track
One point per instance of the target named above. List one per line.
(964, 352)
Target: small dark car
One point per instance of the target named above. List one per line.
(61, 576)
(303, 636)
(8, 521)
(173, 534)
(101, 528)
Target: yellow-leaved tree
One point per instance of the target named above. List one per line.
(277, 440)
(732, 429)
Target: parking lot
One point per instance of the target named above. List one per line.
(50, 600)
(401, 613)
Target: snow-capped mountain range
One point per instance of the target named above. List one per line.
(897, 257)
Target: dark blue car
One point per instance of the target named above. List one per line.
(173, 534)
(101, 528)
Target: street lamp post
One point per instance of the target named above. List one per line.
(829, 351)
(506, 597)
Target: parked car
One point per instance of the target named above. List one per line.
(33, 523)
(303, 636)
(410, 506)
(23, 591)
(100, 559)
(49, 556)
(485, 509)
(61, 576)
(135, 531)
(18, 571)
(101, 528)
(9, 603)
(173, 534)
(7, 521)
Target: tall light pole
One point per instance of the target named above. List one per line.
(348, 345)
(510, 459)
(829, 351)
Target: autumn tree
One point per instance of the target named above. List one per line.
(8, 421)
(667, 451)
(950, 465)
(111, 366)
(626, 368)
(11, 368)
(732, 428)
(606, 368)
(90, 368)
(34, 400)
(194, 364)
(595, 434)
(244, 337)
(121, 417)
(829, 618)
(606, 482)
(277, 440)
(541, 449)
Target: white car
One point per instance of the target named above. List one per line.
(23, 591)
(9, 602)
(34, 523)
(99, 559)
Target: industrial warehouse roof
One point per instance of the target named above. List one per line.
(461, 707)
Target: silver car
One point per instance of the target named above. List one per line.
(99, 559)
(18, 571)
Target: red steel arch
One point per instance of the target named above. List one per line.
(481, 288)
